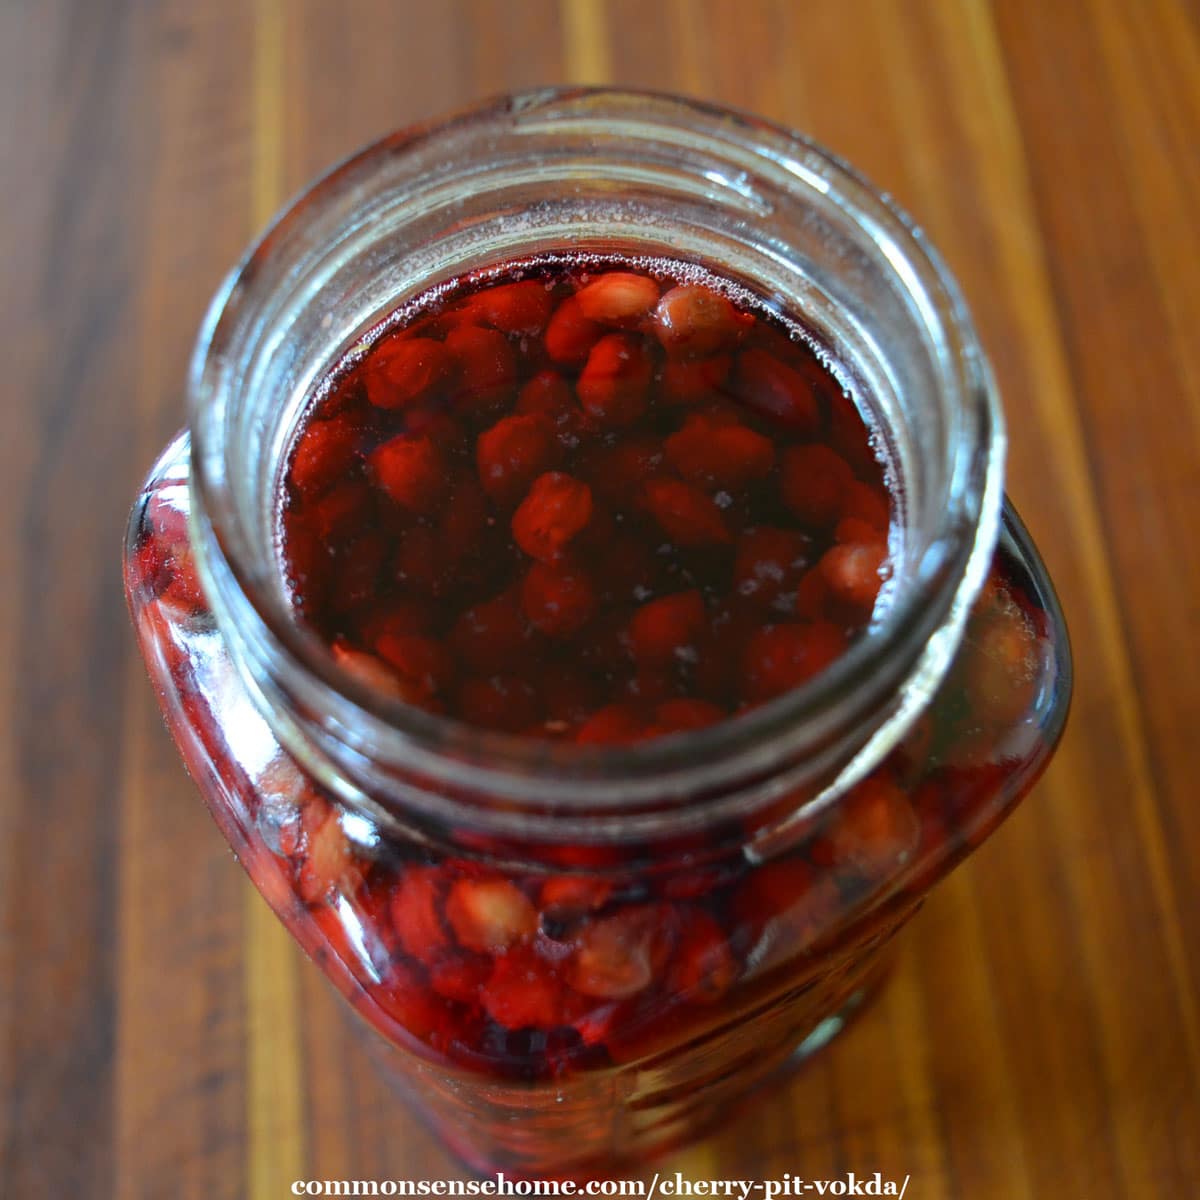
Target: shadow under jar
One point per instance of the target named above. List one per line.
(731, 889)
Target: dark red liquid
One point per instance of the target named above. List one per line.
(589, 503)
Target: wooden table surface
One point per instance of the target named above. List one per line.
(162, 1037)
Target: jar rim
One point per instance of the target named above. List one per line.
(936, 602)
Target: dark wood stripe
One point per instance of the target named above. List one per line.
(67, 656)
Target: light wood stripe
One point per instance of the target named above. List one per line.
(586, 57)
(276, 1153)
(691, 38)
(270, 29)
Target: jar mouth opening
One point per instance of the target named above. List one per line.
(916, 636)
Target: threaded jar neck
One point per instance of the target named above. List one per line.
(568, 170)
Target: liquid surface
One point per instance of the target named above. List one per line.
(597, 502)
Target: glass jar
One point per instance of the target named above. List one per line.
(659, 926)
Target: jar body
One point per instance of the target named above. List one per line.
(558, 1017)
(582, 954)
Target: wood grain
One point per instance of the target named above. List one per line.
(1041, 1033)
